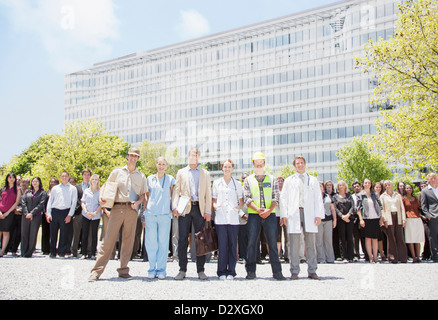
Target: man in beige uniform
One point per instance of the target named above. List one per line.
(130, 182)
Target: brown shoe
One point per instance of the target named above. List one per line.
(125, 276)
(294, 276)
(313, 276)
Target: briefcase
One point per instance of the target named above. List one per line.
(206, 240)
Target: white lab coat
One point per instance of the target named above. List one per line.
(313, 204)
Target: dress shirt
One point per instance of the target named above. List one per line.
(194, 183)
(303, 180)
(91, 201)
(85, 185)
(63, 197)
(435, 190)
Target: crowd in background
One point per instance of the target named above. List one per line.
(387, 222)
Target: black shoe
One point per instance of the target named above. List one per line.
(250, 275)
(278, 276)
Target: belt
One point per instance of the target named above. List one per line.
(195, 203)
(123, 203)
(67, 209)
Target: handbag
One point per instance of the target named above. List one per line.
(206, 240)
(241, 213)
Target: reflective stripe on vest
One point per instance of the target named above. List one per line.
(255, 192)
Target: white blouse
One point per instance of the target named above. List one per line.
(228, 198)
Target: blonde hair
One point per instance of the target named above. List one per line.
(387, 182)
(98, 180)
(432, 175)
(341, 182)
(161, 159)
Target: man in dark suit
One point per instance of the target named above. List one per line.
(429, 205)
(77, 218)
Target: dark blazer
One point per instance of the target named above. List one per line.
(429, 203)
(78, 209)
(35, 205)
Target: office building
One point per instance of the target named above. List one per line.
(285, 87)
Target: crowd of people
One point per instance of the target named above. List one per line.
(296, 219)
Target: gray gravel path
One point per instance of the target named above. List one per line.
(41, 278)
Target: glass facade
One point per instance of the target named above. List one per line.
(284, 87)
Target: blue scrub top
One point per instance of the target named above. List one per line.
(159, 197)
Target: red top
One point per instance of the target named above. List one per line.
(8, 199)
(412, 207)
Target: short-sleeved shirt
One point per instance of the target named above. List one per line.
(412, 208)
(159, 197)
(91, 201)
(128, 183)
(227, 197)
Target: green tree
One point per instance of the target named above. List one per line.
(83, 144)
(288, 170)
(357, 162)
(405, 178)
(406, 69)
(149, 152)
(27, 159)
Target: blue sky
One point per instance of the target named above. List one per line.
(43, 40)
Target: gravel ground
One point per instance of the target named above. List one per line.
(42, 278)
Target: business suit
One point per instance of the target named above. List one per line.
(429, 205)
(31, 204)
(200, 204)
(76, 225)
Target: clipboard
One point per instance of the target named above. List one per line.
(182, 205)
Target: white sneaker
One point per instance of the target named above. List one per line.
(230, 277)
(161, 276)
(151, 276)
(224, 277)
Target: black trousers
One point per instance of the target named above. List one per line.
(345, 230)
(58, 224)
(87, 227)
(185, 226)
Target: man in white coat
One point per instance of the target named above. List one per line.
(302, 210)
